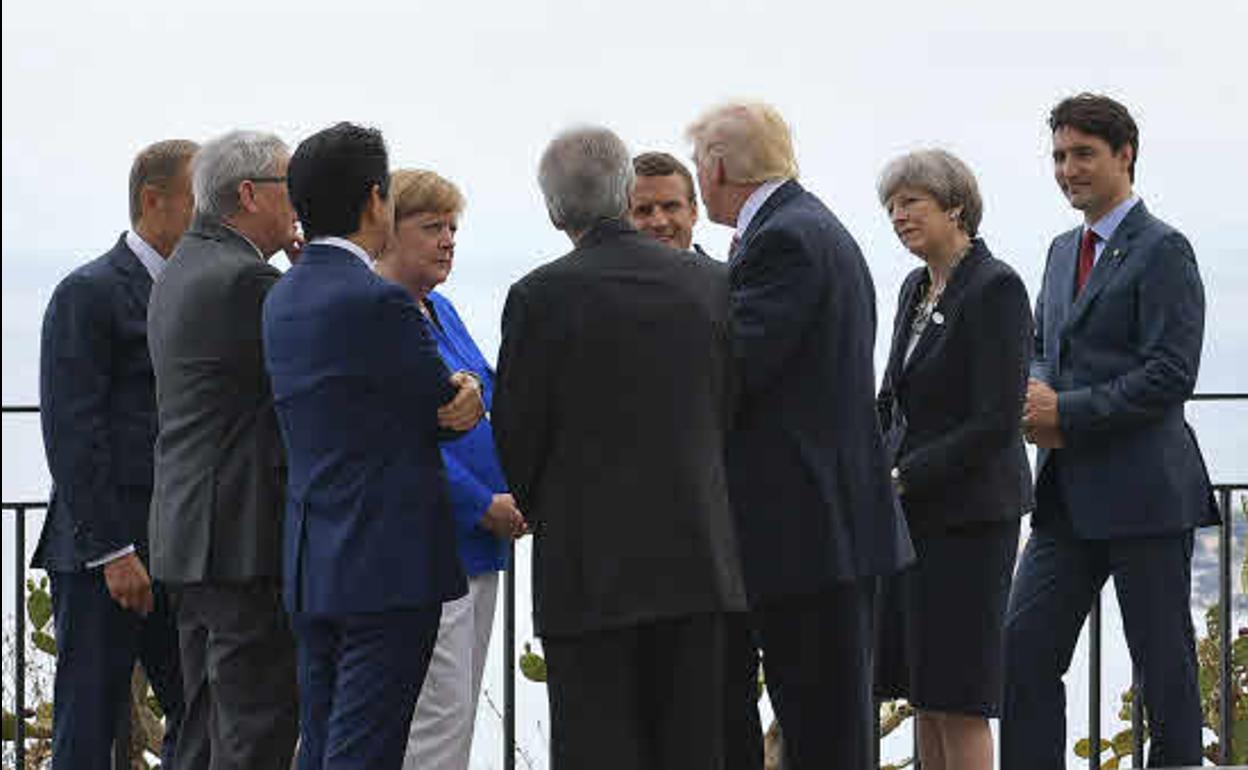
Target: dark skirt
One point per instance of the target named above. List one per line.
(938, 631)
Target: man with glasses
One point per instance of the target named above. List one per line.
(218, 504)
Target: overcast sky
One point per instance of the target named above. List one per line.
(474, 91)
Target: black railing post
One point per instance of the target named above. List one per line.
(1094, 684)
(1137, 717)
(509, 652)
(19, 654)
(1225, 597)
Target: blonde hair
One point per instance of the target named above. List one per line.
(752, 139)
(417, 191)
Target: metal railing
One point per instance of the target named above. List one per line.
(1224, 492)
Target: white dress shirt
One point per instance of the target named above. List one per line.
(755, 202)
(343, 243)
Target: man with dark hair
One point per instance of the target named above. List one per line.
(664, 202)
(99, 424)
(362, 399)
(1120, 482)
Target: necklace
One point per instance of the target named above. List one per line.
(925, 309)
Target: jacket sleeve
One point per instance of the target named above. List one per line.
(1169, 327)
(469, 497)
(522, 395)
(76, 382)
(1001, 333)
(1041, 369)
(423, 380)
(775, 290)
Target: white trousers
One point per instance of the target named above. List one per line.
(446, 711)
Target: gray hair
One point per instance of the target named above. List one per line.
(941, 175)
(225, 161)
(586, 174)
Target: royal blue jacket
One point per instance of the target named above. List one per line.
(472, 469)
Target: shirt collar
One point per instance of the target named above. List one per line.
(149, 257)
(343, 243)
(1106, 225)
(755, 202)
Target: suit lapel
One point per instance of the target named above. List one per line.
(901, 329)
(1111, 257)
(134, 276)
(947, 306)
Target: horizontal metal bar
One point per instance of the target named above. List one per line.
(42, 505)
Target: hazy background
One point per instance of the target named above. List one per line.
(474, 90)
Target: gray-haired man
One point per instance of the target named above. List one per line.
(217, 507)
(610, 416)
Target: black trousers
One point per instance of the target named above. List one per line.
(238, 670)
(97, 644)
(817, 663)
(743, 733)
(1057, 579)
(643, 697)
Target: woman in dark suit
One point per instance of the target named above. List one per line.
(950, 407)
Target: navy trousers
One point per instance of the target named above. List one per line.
(359, 676)
(97, 644)
(1057, 579)
(817, 662)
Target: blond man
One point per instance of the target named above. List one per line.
(815, 515)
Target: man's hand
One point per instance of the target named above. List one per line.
(129, 584)
(294, 247)
(466, 408)
(1045, 438)
(1040, 409)
(503, 518)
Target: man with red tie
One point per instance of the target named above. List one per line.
(1120, 482)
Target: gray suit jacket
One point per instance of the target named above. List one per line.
(1123, 358)
(217, 506)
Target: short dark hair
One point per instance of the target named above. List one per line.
(663, 164)
(1099, 116)
(157, 164)
(331, 175)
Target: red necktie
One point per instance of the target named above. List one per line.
(1087, 254)
(732, 247)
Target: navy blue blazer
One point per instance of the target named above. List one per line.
(806, 467)
(1123, 357)
(952, 410)
(357, 382)
(98, 398)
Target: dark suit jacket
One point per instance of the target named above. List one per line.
(357, 382)
(610, 415)
(953, 410)
(98, 411)
(1123, 358)
(809, 483)
(219, 469)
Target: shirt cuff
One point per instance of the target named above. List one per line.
(106, 558)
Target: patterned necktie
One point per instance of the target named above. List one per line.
(1087, 254)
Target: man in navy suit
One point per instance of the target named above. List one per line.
(1120, 482)
(362, 399)
(816, 517)
(98, 402)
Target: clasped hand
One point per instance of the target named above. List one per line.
(1040, 419)
(463, 411)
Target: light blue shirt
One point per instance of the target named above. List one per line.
(1106, 225)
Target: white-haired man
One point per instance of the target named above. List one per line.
(610, 418)
(810, 490)
(218, 503)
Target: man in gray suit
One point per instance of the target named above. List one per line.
(217, 507)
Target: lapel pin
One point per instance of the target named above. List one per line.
(938, 318)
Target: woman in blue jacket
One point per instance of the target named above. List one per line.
(420, 257)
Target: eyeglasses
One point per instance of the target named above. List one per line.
(273, 179)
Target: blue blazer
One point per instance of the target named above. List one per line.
(98, 398)
(1123, 357)
(806, 468)
(472, 466)
(357, 383)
